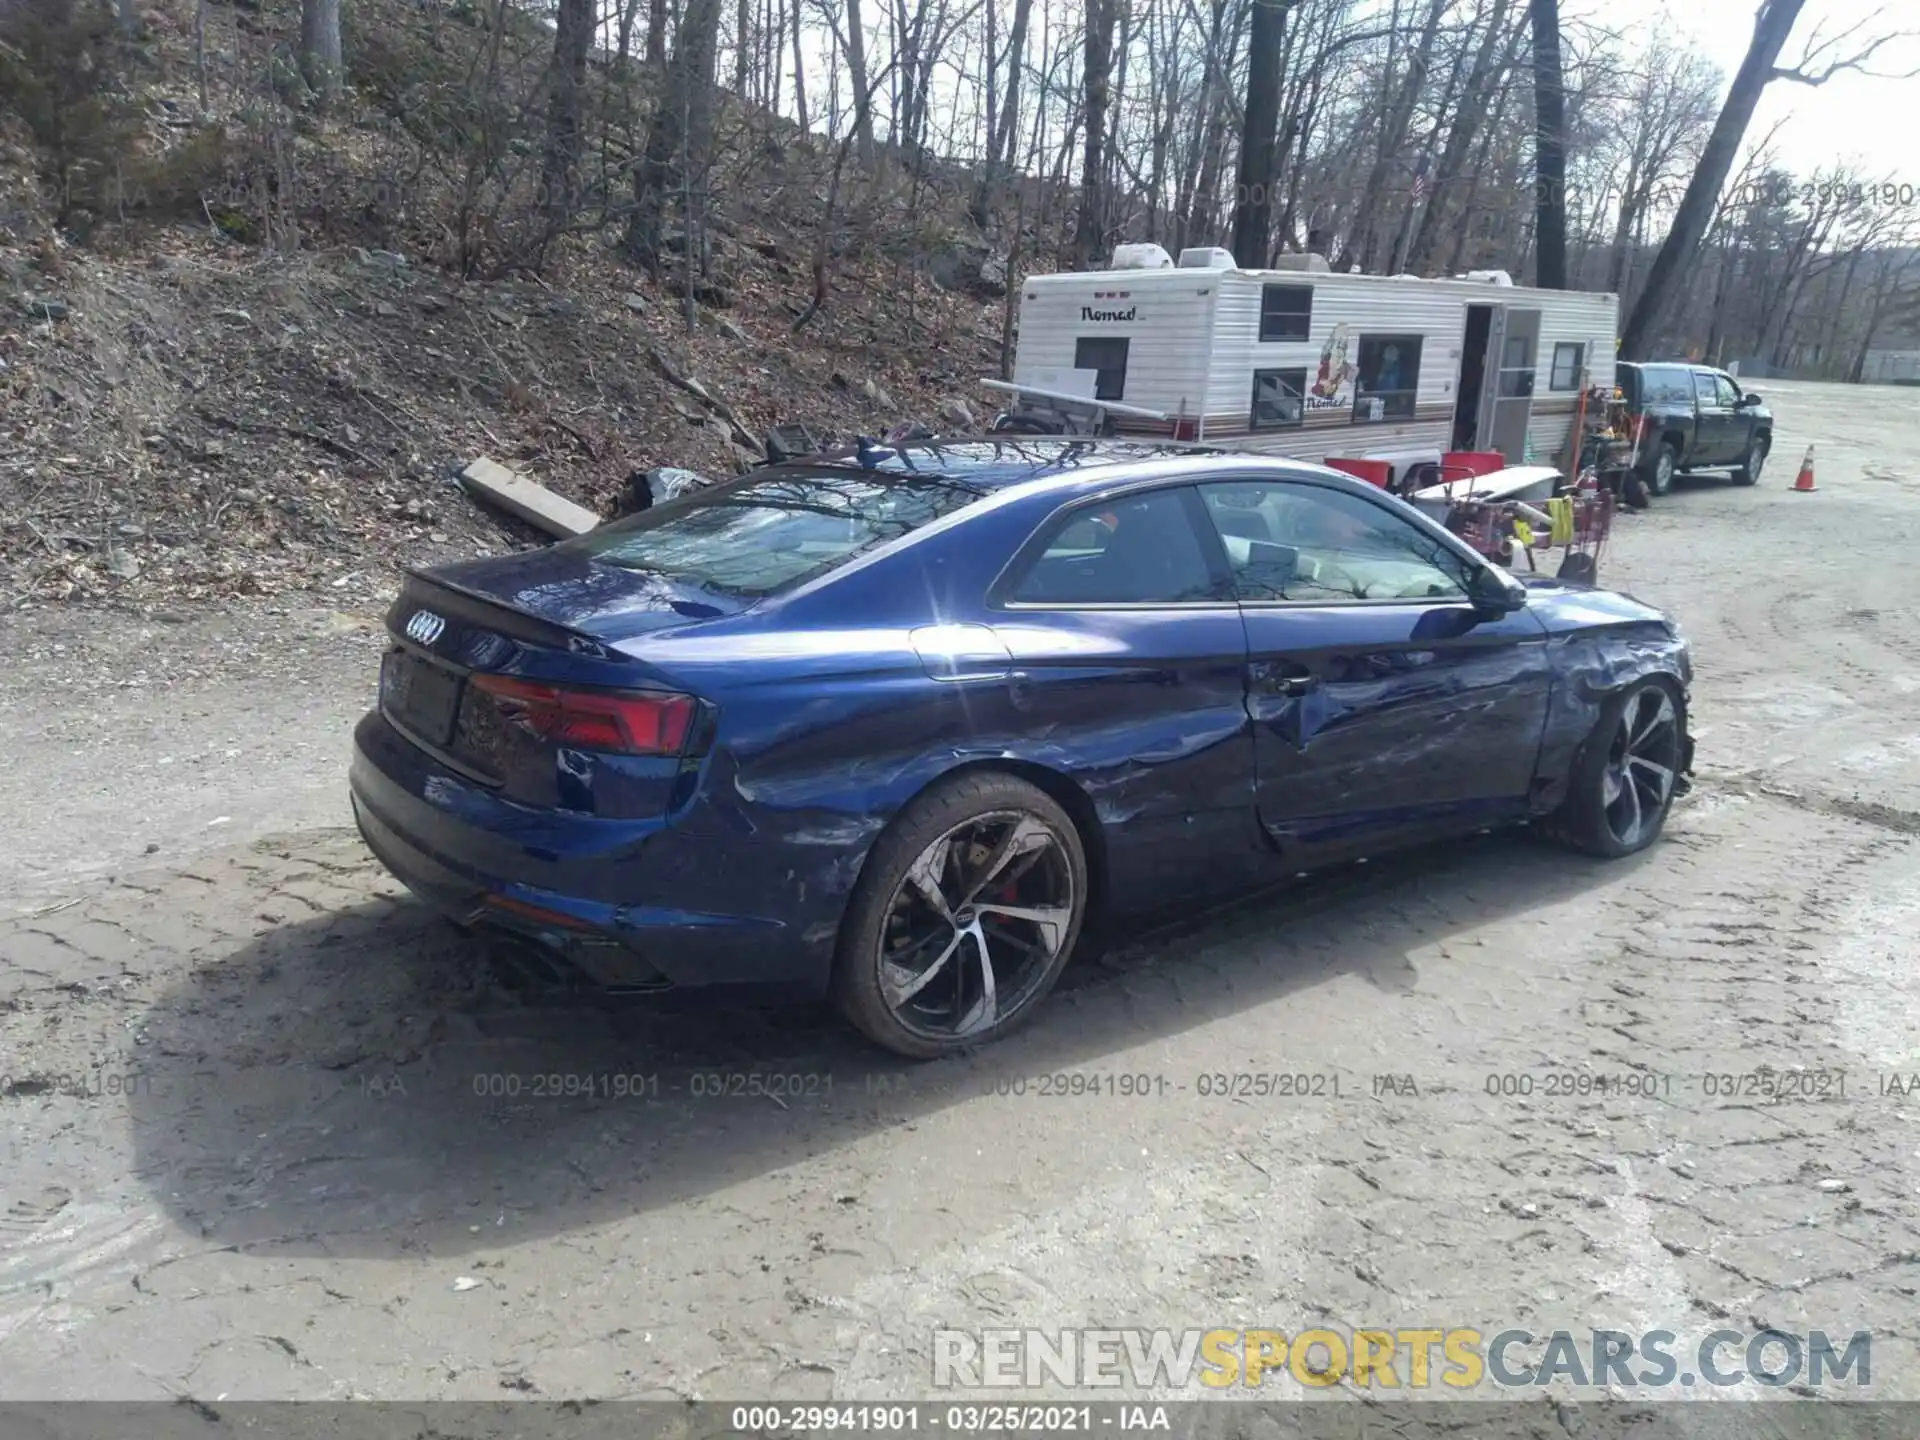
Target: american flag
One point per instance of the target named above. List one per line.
(1418, 190)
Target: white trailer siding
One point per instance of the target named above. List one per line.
(1166, 336)
(1589, 321)
(1362, 306)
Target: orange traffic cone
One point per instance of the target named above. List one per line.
(1804, 480)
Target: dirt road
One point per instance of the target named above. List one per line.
(271, 1134)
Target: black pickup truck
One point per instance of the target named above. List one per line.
(1696, 419)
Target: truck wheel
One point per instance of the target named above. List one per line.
(1747, 472)
(1666, 460)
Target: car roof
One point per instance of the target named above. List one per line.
(1064, 464)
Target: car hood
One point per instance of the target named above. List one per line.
(1561, 606)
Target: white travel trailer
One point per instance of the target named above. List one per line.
(1304, 362)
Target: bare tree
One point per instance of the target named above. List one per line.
(567, 79)
(320, 61)
(1549, 147)
(672, 170)
(799, 70)
(1668, 112)
(856, 49)
(1090, 233)
(1772, 26)
(657, 25)
(1259, 134)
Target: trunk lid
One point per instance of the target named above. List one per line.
(544, 619)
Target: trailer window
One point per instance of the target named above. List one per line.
(1389, 378)
(1278, 399)
(1286, 311)
(1107, 358)
(1568, 360)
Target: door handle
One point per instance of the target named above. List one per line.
(1287, 678)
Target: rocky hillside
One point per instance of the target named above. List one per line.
(190, 411)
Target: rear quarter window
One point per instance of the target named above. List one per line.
(764, 535)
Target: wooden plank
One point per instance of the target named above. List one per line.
(533, 503)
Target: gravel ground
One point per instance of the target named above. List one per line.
(285, 1177)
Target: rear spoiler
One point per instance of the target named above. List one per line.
(1061, 397)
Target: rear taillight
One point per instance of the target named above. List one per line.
(623, 722)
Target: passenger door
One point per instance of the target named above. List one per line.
(1384, 705)
(1739, 421)
(1129, 674)
(1714, 437)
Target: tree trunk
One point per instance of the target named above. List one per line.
(1223, 49)
(320, 48)
(1259, 135)
(857, 64)
(799, 71)
(1549, 148)
(1016, 54)
(629, 12)
(742, 25)
(1770, 31)
(657, 32)
(671, 175)
(1090, 231)
(572, 39)
(990, 62)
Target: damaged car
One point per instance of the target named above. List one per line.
(892, 726)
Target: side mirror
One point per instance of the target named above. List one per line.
(1750, 398)
(1497, 593)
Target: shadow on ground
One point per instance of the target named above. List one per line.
(357, 1084)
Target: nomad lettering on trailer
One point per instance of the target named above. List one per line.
(1087, 312)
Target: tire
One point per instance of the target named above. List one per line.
(1747, 472)
(1595, 814)
(1661, 469)
(986, 824)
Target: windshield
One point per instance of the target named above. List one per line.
(771, 534)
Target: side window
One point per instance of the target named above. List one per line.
(1703, 389)
(1133, 550)
(1309, 543)
(1278, 398)
(1676, 387)
(1568, 360)
(1107, 357)
(1286, 312)
(1517, 368)
(1389, 377)
(1727, 392)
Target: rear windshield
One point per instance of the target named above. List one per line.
(765, 535)
(1659, 384)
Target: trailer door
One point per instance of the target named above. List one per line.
(1506, 395)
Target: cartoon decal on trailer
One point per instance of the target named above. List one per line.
(1332, 387)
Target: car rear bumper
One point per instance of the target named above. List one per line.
(575, 886)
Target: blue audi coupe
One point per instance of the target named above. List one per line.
(889, 726)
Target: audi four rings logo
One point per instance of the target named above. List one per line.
(425, 626)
